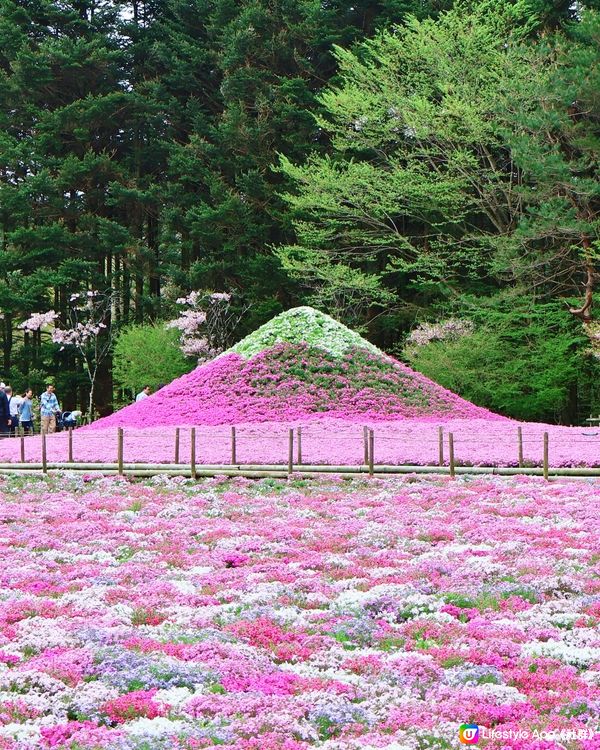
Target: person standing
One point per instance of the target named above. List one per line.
(4, 413)
(49, 408)
(144, 393)
(26, 412)
(13, 405)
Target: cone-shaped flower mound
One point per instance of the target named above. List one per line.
(301, 365)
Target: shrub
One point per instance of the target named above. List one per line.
(148, 355)
(523, 361)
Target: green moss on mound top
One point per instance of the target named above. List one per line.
(303, 325)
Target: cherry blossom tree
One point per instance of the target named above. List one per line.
(206, 323)
(87, 328)
(445, 330)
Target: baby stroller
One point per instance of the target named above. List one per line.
(66, 419)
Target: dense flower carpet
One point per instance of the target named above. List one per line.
(282, 615)
(290, 382)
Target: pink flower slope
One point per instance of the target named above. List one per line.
(295, 383)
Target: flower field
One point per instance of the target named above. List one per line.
(305, 370)
(295, 382)
(281, 615)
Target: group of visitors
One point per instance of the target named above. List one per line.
(17, 411)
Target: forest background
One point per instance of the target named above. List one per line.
(426, 172)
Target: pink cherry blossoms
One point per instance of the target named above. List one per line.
(87, 330)
(206, 324)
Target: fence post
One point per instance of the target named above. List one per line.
(120, 450)
(546, 455)
(299, 451)
(177, 445)
(441, 446)
(451, 451)
(520, 437)
(290, 451)
(371, 451)
(366, 445)
(44, 461)
(193, 453)
(233, 447)
(22, 449)
(70, 445)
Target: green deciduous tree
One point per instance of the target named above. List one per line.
(524, 360)
(148, 355)
(464, 156)
(464, 160)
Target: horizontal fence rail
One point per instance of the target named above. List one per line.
(190, 451)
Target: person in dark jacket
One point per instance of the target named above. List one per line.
(4, 413)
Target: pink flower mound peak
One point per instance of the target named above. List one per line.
(289, 382)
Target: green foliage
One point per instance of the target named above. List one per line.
(522, 360)
(147, 355)
(457, 158)
(465, 155)
(411, 189)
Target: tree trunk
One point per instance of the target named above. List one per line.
(139, 292)
(585, 311)
(185, 252)
(103, 387)
(8, 341)
(154, 274)
(126, 292)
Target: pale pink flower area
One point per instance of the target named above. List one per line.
(325, 440)
(170, 614)
(36, 321)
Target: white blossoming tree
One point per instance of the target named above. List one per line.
(87, 329)
(206, 324)
(445, 330)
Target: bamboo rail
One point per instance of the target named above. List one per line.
(317, 469)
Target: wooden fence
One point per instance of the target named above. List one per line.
(291, 462)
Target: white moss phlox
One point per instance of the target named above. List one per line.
(303, 325)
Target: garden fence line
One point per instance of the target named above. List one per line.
(203, 450)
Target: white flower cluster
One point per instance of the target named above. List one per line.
(303, 325)
(446, 330)
(39, 320)
(578, 656)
